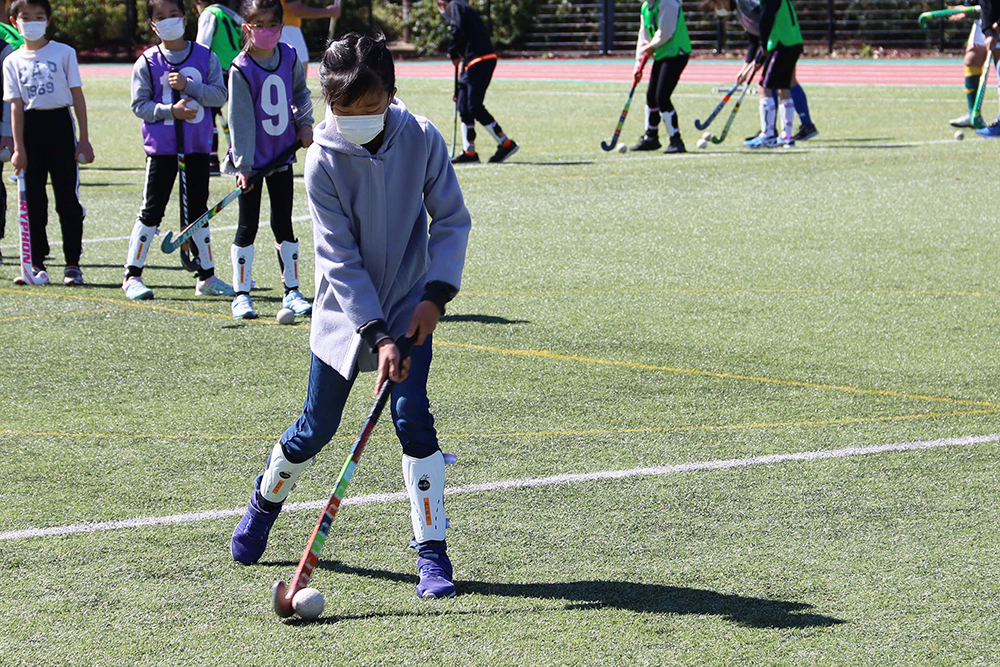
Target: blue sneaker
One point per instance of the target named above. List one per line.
(991, 131)
(250, 536)
(296, 303)
(761, 141)
(435, 574)
(243, 308)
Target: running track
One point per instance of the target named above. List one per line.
(813, 72)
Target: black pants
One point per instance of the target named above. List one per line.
(161, 172)
(50, 144)
(279, 191)
(472, 85)
(662, 81)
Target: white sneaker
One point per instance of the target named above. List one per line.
(213, 287)
(136, 290)
(296, 303)
(243, 308)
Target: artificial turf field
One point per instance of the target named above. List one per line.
(627, 313)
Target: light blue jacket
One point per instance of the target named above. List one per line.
(375, 251)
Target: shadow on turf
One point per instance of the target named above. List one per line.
(627, 595)
(482, 319)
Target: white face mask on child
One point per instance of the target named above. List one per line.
(170, 29)
(32, 31)
(360, 129)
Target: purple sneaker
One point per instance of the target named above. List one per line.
(435, 574)
(250, 536)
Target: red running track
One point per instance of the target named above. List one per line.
(839, 72)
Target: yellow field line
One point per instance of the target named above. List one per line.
(47, 315)
(526, 434)
(547, 354)
(733, 290)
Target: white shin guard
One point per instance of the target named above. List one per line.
(138, 244)
(242, 262)
(468, 140)
(768, 110)
(424, 480)
(280, 477)
(492, 131)
(202, 240)
(288, 258)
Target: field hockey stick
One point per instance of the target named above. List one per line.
(739, 100)
(621, 120)
(924, 18)
(189, 263)
(718, 108)
(981, 90)
(27, 266)
(169, 243)
(281, 593)
(454, 122)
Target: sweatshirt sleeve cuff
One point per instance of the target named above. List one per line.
(374, 332)
(439, 293)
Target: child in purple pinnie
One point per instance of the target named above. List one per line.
(269, 110)
(192, 71)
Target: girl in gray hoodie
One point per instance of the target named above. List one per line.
(390, 228)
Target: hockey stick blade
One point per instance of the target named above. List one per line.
(924, 18)
(282, 594)
(621, 119)
(718, 108)
(171, 243)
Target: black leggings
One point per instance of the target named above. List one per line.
(50, 142)
(662, 81)
(472, 87)
(279, 190)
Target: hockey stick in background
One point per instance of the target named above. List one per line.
(187, 261)
(718, 108)
(28, 276)
(739, 100)
(282, 593)
(981, 91)
(943, 13)
(454, 122)
(621, 120)
(169, 243)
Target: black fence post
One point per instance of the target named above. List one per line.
(941, 32)
(606, 26)
(831, 34)
(720, 36)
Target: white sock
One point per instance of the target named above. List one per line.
(203, 242)
(768, 111)
(138, 244)
(492, 131)
(424, 479)
(787, 117)
(288, 258)
(468, 144)
(652, 118)
(671, 123)
(242, 264)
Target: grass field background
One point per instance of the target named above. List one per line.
(617, 312)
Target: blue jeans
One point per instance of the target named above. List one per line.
(327, 394)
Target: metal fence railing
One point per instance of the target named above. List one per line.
(610, 26)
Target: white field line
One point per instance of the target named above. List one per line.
(557, 480)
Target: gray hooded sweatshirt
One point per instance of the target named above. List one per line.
(375, 250)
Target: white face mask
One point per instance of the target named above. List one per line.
(360, 129)
(170, 29)
(32, 30)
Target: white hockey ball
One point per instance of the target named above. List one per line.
(706, 136)
(623, 149)
(702, 143)
(308, 603)
(285, 316)
(82, 159)
(959, 135)
(5, 155)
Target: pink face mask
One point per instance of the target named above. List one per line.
(265, 38)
